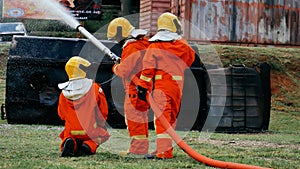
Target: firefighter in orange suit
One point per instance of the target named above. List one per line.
(134, 43)
(83, 108)
(164, 63)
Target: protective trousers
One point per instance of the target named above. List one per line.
(169, 107)
(136, 115)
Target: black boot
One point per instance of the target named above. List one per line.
(68, 149)
(86, 150)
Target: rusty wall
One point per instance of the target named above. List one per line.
(244, 21)
(279, 22)
(241, 21)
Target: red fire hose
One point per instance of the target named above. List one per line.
(188, 150)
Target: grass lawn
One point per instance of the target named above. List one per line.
(37, 146)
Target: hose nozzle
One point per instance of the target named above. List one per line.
(97, 43)
(77, 28)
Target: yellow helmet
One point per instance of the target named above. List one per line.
(73, 67)
(119, 28)
(169, 21)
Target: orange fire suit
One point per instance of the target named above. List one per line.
(165, 63)
(135, 110)
(85, 118)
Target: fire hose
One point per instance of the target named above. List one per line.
(97, 43)
(179, 141)
(191, 152)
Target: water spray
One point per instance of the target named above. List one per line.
(54, 8)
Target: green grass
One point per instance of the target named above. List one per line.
(37, 146)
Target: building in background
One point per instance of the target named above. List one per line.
(230, 21)
(251, 22)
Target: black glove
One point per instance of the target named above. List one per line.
(117, 61)
(142, 92)
(115, 58)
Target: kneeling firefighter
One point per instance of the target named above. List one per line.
(134, 42)
(83, 107)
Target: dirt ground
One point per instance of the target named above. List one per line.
(285, 90)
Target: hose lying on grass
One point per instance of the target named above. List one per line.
(188, 150)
